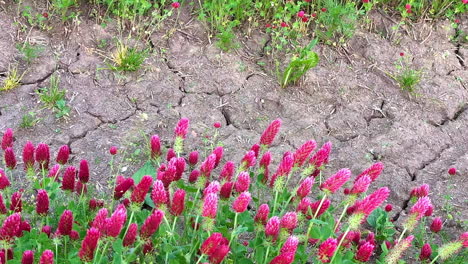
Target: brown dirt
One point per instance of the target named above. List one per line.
(347, 99)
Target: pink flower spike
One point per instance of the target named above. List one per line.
(10, 159)
(65, 223)
(159, 194)
(83, 173)
(180, 168)
(218, 151)
(373, 171)
(170, 154)
(209, 246)
(300, 14)
(16, 204)
(323, 208)
(270, 132)
(219, 254)
(255, 148)
(240, 204)
(333, 183)
(436, 225)
(207, 166)
(452, 171)
(216, 124)
(151, 224)
(227, 171)
(28, 257)
(327, 249)
(321, 157)
(182, 128)
(47, 257)
(290, 246)
(155, 146)
(43, 155)
(63, 155)
(122, 188)
(117, 221)
(464, 239)
(68, 182)
(426, 252)
(193, 158)
(89, 245)
(210, 206)
(175, 5)
(361, 185)
(193, 177)
(28, 155)
(226, 190)
(10, 227)
(301, 154)
(42, 204)
(3, 209)
(4, 182)
(408, 6)
(262, 214)
(264, 163)
(388, 208)
(420, 191)
(248, 160)
(364, 252)
(305, 187)
(113, 150)
(272, 228)
(420, 207)
(53, 172)
(99, 221)
(213, 187)
(131, 235)
(178, 202)
(289, 221)
(140, 191)
(303, 206)
(243, 182)
(7, 139)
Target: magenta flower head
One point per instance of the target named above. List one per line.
(333, 183)
(361, 185)
(300, 13)
(63, 155)
(290, 246)
(89, 245)
(218, 151)
(426, 252)
(53, 172)
(420, 207)
(4, 182)
(213, 187)
(99, 221)
(210, 206)
(65, 223)
(436, 225)
(429, 210)
(193, 158)
(364, 252)
(155, 146)
(193, 177)
(81, 188)
(289, 221)
(10, 227)
(16, 204)
(68, 182)
(140, 191)
(209, 246)
(43, 155)
(255, 148)
(28, 155)
(83, 173)
(243, 182)
(270, 133)
(116, 222)
(240, 204)
(388, 208)
(305, 187)
(452, 171)
(363, 208)
(216, 124)
(10, 159)
(283, 258)
(131, 235)
(47, 257)
(113, 150)
(207, 166)
(175, 5)
(123, 187)
(303, 206)
(151, 224)
(284, 168)
(327, 249)
(28, 257)
(7, 139)
(373, 171)
(321, 157)
(420, 191)
(42, 204)
(159, 194)
(178, 202)
(248, 160)
(170, 154)
(272, 228)
(315, 206)
(180, 168)
(262, 214)
(302, 153)
(219, 254)
(182, 128)
(227, 171)
(226, 190)
(3, 209)
(264, 163)
(464, 239)
(46, 230)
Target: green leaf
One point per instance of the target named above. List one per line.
(147, 169)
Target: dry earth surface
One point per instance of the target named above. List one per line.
(347, 99)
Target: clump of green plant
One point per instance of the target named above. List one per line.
(422, 9)
(127, 58)
(299, 65)
(29, 52)
(62, 7)
(12, 79)
(407, 77)
(53, 97)
(29, 120)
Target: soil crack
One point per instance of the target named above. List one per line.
(446, 120)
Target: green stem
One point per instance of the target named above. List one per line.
(311, 224)
(341, 217)
(402, 234)
(433, 261)
(173, 225)
(339, 244)
(274, 204)
(103, 251)
(200, 258)
(266, 254)
(129, 222)
(233, 229)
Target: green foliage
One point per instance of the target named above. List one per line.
(29, 52)
(12, 79)
(421, 9)
(128, 59)
(129, 9)
(384, 229)
(298, 66)
(53, 97)
(29, 120)
(62, 7)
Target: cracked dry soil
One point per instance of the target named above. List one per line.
(347, 99)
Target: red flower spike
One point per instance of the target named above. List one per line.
(42, 156)
(151, 224)
(193, 177)
(420, 207)
(227, 171)
(42, 204)
(99, 221)
(305, 19)
(262, 214)
(255, 148)
(327, 249)
(364, 252)
(148, 247)
(304, 205)
(180, 168)
(170, 154)
(218, 151)
(271, 131)
(140, 191)
(123, 187)
(300, 14)
(248, 160)
(10, 159)
(226, 190)
(81, 188)
(323, 208)
(83, 173)
(283, 258)
(332, 184)
(182, 128)
(371, 202)
(207, 166)
(117, 221)
(240, 204)
(175, 5)
(436, 225)
(7, 139)
(324, 10)
(388, 208)
(53, 172)
(210, 206)
(178, 202)
(65, 223)
(113, 150)
(63, 155)
(28, 257)
(28, 155)
(16, 204)
(219, 254)
(286, 164)
(284, 24)
(408, 6)
(68, 182)
(429, 210)
(3, 209)
(289, 221)
(155, 146)
(193, 158)
(10, 227)
(272, 227)
(365, 1)
(209, 246)
(314, 15)
(303, 152)
(217, 125)
(464, 239)
(131, 235)
(371, 238)
(426, 252)
(402, 54)
(305, 187)
(4, 182)
(290, 246)
(452, 171)
(243, 182)
(321, 157)
(159, 194)
(47, 257)
(89, 244)
(373, 171)
(264, 163)
(46, 230)
(361, 185)
(213, 187)
(420, 191)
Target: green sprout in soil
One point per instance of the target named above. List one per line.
(127, 59)
(29, 120)
(407, 77)
(12, 80)
(54, 98)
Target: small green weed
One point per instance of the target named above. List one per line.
(407, 77)
(298, 66)
(62, 7)
(12, 80)
(29, 120)
(127, 59)
(29, 52)
(54, 98)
